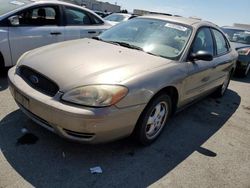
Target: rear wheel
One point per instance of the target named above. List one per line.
(2, 68)
(247, 70)
(153, 119)
(243, 72)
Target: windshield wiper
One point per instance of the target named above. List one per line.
(138, 48)
(124, 44)
(127, 45)
(111, 42)
(150, 53)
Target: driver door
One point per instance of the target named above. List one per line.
(200, 73)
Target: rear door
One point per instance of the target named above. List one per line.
(81, 24)
(223, 58)
(200, 73)
(38, 26)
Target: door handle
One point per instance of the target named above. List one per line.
(91, 32)
(55, 33)
(205, 79)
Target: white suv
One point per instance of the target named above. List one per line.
(25, 25)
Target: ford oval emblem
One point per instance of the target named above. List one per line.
(34, 79)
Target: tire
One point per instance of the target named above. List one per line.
(220, 92)
(2, 67)
(243, 72)
(153, 119)
(246, 71)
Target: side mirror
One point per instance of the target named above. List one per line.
(201, 55)
(14, 20)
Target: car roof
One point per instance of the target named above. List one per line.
(55, 2)
(59, 2)
(195, 22)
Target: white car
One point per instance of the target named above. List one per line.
(116, 18)
(25, 25)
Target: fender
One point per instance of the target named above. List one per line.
(5, 47)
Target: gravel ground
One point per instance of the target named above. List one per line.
(206, 145)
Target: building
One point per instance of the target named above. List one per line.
(96, 5)
(244, 26)
(144, 12)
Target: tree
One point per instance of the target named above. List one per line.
(124, 11)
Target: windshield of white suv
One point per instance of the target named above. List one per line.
(10, 5)
(153, 36)
(237, 35)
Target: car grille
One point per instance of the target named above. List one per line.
(38, 81)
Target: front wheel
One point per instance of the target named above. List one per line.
(247, 70)
(153, 119)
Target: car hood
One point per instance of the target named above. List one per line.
(238, 45)
(82, 62)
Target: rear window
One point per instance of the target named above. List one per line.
(221, 43)
(10, 5)
(77, 17)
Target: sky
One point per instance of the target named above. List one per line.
(221, 12)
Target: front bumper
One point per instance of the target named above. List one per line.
(83, 124)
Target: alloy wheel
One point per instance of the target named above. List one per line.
(156, 120)
(247, 69)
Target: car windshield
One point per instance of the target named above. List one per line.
(116, 18)
(237, 35)
(153, 36)
(10, 5)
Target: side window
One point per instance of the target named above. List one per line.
(76, 17)
(221, 43)
(96, 20)
(40, 16)
(203, 41)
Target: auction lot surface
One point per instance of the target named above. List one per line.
(206, 145)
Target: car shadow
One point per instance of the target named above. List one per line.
(54, 162)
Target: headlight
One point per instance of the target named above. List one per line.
(96, 95)
(244, 51)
